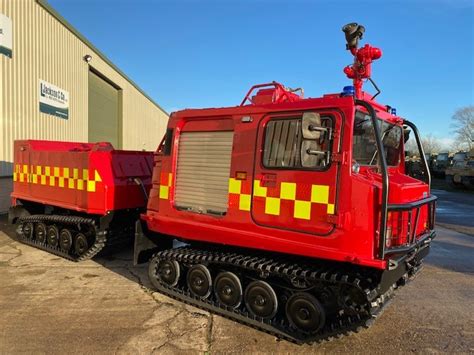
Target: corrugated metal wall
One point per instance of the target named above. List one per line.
(44, 48)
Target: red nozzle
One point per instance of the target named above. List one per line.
(349, 72)
(367, 54)
(362, 66)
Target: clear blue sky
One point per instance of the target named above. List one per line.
(208, 53)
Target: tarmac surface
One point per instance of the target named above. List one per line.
(455, 208)
(51, 305)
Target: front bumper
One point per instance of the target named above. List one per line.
(418, 250)
(404, 266)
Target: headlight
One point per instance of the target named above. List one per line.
(355, 167)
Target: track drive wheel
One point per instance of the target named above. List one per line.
(40, 232)
(228, 289)
(65, 240)
(81, 244)
(28, 230)
(305, 313)
(261, 299)
(199, 281)
(52, 236)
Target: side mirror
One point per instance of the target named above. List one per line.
(314, 137)
(406, 134)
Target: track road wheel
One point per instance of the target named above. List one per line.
(28, 230)
(199, 281)
(228, 289)
(165, 271)
(52, 236)
(65, 240)
(80, 244)
(261, 299)
(40, 232)
(305, 313)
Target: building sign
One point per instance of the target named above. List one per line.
(6, 36)
(53, 100)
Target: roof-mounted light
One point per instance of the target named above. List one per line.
(348, 91)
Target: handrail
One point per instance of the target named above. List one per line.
(411, 205)
(259, 86)
(384, 170)
(420, 150)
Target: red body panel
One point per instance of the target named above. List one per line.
(342, 226)
(90, 178)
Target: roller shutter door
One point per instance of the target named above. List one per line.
(103, 111)
(203, 169)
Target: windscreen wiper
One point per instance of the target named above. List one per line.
(358, 124)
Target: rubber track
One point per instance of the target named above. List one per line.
(337, 326)
(96, 247)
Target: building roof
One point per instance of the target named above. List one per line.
(66, 24)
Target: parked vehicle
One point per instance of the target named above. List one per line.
(78, 199)
(442, 162)
(297, 214)
(414, 166)
(461, 173)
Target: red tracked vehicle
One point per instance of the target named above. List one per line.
(75, 199)
(295, 224)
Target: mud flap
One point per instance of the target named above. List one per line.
(147, 243)
(16, 212)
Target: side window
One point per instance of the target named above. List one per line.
(298, 142)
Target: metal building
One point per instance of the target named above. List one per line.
(55, 85)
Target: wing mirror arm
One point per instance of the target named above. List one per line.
(325, 131)
(315, 152)
(326, 156)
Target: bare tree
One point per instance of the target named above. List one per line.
(456, 146)
(430, 143)
(463, 126)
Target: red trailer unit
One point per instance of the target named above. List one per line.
(299, 216)
(73, 199)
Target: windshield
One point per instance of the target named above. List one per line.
(459, 156)
(442, 157)
(364, 146)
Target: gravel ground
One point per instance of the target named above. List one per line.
(50, 305)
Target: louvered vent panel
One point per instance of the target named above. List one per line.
(202, 174)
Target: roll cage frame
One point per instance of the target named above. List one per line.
(414, 243)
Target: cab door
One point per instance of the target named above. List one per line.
(295, 177)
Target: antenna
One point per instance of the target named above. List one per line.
(363, 57)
